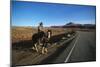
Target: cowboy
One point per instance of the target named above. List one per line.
(40, 27)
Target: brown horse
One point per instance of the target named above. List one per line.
(46, 41)
(41, 38)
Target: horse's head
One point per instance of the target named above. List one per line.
(49, 33)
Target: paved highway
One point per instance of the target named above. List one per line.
(85, 48)
(81, 49)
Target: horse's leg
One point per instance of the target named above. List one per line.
(33, 48)
(36, 47)
(42, 50)
(46, 50)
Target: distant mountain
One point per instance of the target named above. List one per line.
(70, 23)
(73, 25)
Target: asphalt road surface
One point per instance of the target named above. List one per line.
(81, 49)
(84, 48)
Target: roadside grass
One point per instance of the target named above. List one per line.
(25, 33)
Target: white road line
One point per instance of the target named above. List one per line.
(67, 58)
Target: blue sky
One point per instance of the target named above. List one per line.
(31, 13)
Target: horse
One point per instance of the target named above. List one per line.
(41, 38)
(46, 41)
(36, 38)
